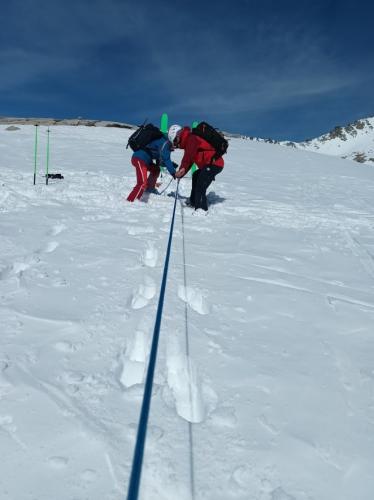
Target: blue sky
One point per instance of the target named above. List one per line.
(280, 69)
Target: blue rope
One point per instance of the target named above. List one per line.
(136, 470)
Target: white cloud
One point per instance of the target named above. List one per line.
(271, 69)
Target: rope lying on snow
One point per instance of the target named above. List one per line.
(187, 346)
(163, 191)
(137, 463)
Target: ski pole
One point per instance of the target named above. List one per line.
(35, 151)
(47, 167)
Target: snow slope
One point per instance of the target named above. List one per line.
(265, 378)
(355, 142)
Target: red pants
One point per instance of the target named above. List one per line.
(142, 181)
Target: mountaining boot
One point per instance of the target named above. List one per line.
(188, 203)
(200, 212)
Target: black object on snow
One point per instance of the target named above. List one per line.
(55, 176)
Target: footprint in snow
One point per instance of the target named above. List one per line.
(48, 248)
(138, 230)
(65, 346)
(193, 400)
(132, 372)
(72, 378)
(16, 268)
(51, 246)
(145, 292)
(224, 416)
(214, 347)
(133, 360)
(211, 332)
(58, 462)
(194, 298)
(150, 256)
(57, 229)
(242, 476)
(89, 475)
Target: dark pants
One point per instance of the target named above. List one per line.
(201, 180)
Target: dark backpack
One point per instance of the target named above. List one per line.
(143, 136)
(213, 136)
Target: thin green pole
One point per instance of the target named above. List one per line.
(194, 166)
(47, 168)
(35, 151)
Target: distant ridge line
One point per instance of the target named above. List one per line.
(5, 120)
(9, 120)
(345, 142)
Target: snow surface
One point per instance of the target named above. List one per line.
(264, 384)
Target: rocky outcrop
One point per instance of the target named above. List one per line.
(350, 130)
(354, 141)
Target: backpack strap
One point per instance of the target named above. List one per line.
(161, 151)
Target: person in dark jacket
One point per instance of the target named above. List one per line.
(200, 152)
(147, 161)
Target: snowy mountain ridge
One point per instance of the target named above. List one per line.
(355, 142)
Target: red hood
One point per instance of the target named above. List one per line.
(184, 134)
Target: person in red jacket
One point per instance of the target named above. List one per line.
(200, 152)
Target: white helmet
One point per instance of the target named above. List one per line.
(173, 131)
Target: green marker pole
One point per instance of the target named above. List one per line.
(164, 123)
(35, 151)
(164, 129)
(47, 167)
(194, 166)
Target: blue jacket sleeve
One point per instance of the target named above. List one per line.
(165, 158)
